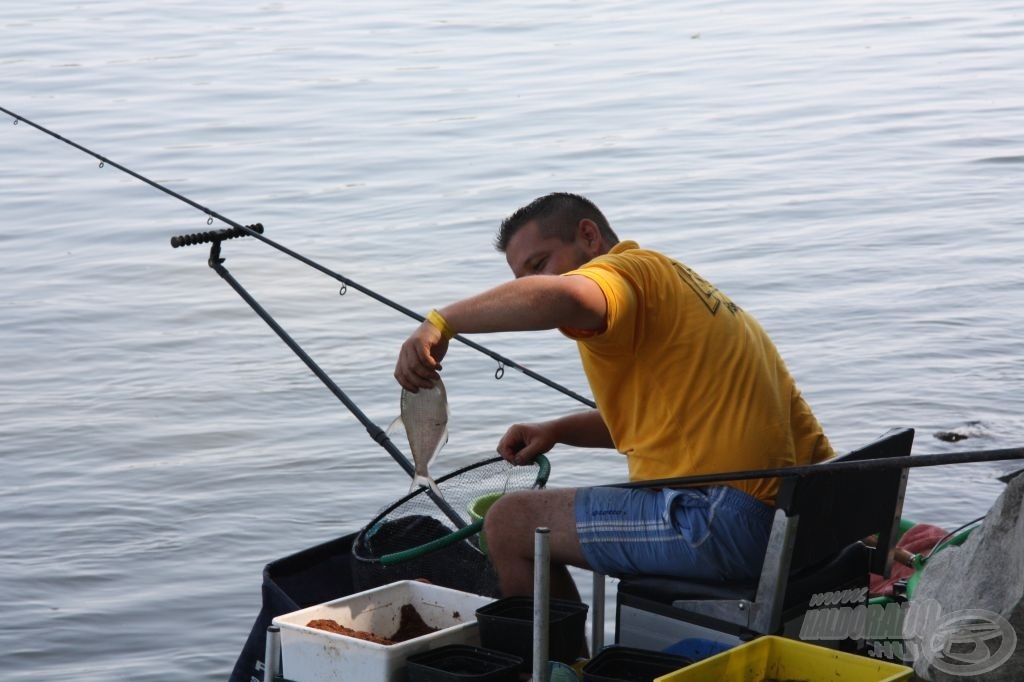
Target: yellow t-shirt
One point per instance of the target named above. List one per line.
(686, 381)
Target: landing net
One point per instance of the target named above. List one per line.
(414, 538)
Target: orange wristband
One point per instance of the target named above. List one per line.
(435, 318)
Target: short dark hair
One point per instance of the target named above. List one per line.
(557, 215)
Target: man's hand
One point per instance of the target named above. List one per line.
(419, 360)
(523, 442)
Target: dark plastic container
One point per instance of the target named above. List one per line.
(626, 664)
(461, 662)
(507, 625)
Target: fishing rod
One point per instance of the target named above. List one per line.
(256, 231)
(826, 467)
(239, 230)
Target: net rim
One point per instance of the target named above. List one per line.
(543, 472)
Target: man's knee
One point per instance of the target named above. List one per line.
(505, 516)
(519, 513)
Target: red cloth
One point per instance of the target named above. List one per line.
(919, 539)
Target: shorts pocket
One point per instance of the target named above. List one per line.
(691, 512)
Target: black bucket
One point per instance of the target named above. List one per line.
(459, 566)
(507, 625)
(627, 664)
(462, 663)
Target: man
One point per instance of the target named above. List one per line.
(685, 382)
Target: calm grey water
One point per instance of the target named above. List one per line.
(851, 173)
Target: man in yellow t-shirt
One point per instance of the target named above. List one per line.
(685, 382)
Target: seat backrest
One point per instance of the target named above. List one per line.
(837, 509)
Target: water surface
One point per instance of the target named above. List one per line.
(851, 177)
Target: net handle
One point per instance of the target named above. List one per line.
(543, 472)
(433, 545)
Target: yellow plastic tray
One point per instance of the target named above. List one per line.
(778, 658)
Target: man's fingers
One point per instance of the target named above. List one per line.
(419, 359)
(521, 444)
(415, 368)
(508, 448)
(527, 453)
(416, 377)
(412, 382)
(424, 357)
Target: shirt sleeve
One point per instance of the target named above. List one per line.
(620, 319)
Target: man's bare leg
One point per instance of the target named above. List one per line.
(510, 524)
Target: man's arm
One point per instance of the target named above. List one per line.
(523, 442)
(528, 303)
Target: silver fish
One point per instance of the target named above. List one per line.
(424, 416)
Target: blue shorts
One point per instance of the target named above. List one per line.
(713, 533)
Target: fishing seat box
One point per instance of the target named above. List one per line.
(313, 655)
(813, 548)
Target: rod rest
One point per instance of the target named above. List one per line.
(213, 236)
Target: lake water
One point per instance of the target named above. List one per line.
(851, 174)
